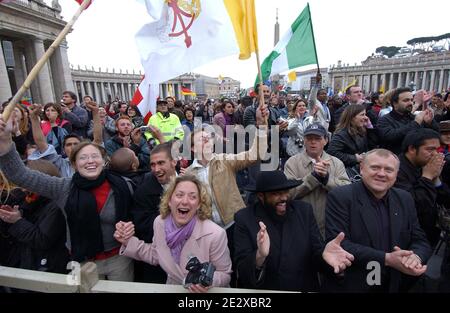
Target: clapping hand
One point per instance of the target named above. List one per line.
(336, 256)
(405, 261)
(10, 214)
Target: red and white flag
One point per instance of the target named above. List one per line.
(145, 99)
(81, 2)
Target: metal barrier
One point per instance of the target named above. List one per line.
(89, 283)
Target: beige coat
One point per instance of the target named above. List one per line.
(312, 191)
(222, 177)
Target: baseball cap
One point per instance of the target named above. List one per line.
(316, 129)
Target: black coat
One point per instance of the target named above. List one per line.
(36, 241)
(344, 146)
(425, 195)
(146, 206)
(393, 127)
(294, 264)
(349, 210)
(147, 197)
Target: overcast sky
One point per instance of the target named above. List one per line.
(347, 30)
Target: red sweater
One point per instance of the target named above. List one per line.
(101, 195)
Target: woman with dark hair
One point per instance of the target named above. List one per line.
(225, 117)
(54, 127)
(297, 116)
(352, 138)
(189, 118)
(93, 201)
(135, 115)
(33, 230)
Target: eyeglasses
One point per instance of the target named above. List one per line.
(93, 157)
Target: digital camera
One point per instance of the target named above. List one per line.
(199, 273)
(144, 129)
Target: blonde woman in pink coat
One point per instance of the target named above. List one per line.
(181, 231)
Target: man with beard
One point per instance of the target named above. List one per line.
(393, 127)
(75, 114)
(128, 138)
(278, 245)
(420, 169)
(146, 206)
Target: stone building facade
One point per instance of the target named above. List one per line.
(429, 71)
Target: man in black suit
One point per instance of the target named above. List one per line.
(146, 206)
(381, 227)
(278, 245)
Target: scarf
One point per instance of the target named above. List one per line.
(177, 237)
(228, 119)
(81, 208)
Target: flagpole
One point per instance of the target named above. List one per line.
(260, 92)
(37, 68)
(314, 39)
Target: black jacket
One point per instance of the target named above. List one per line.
(36, 241)
(393, 127)
(349, 210)
(146, 206)
(344, 146)
(425, 195)
(294, 264)
(147, 197)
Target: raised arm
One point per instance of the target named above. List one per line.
(38, 136)
(98, 127)
(16, 172)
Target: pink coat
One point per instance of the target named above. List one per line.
(208, 243)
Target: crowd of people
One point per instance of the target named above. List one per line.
(359, 179)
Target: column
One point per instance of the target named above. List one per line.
(60, 72)
(332, 83)
(424, 80)
(89, 89)
(97, 95)
(416, 80)
(384, 82)
(130, 94)
(83, 89)
(399, 80)
(408, 78)
(441, 81)
(124, 97)
(433, 77)
(44, 81)
(20, 67)
(5, 87)
(391, 81)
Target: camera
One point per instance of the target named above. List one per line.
(199, 273)
(144, 129)
(299, 142)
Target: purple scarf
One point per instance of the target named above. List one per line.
(228, 121)
(177, 237)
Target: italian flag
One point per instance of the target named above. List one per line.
(296, 48)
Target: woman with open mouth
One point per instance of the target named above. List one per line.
(183, 230)
(93, 201)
